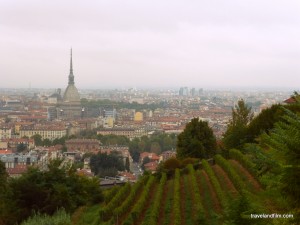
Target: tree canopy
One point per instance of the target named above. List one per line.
(46, 192)
(285, 140)
(196, 141)
(235, 135)
(103, 164)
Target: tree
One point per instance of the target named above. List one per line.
(103, 162)
(47, 142)
(134, 149)
(296, 96)
(235, 135)
(145, 161)
(47, 191)
(127, 164)
(155, 148)
(37, 140)
(265, 121)
(21, 147)
(3, 174)
(196, 141)
(285, 141)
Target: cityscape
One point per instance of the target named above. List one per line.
(149, 112)
(54, 114)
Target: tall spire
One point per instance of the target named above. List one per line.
(71, 76)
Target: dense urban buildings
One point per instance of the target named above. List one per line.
(30, 118)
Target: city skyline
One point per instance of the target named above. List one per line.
(153, 44)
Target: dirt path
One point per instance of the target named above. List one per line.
(225, 182)
(246, 175)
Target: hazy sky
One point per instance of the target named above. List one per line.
(150, 43)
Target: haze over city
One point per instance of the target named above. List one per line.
(150, 43)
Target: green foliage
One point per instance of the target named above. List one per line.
(285, 139)
(113, 139)
(86, 215)
(157, 143)
(240, 210)
(220, 194)
(265, 121)
(106, 212)
(37, 140)
(153, 216)
(139, 206)
(59, 218)
(187, 161)
(237, 181)
(110, 193)
(129, 201)
(196, 141)
(235, 135)
(199, 216)
(3, 188)
(237, 155)
(47, 191)
(176, 201)
(127, 164)
(21, 147)
(171, 164)
(3, 175)
(103, 164)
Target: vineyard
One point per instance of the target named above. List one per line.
(190, 196)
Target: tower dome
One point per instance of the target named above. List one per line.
(70, 106)
(71, 94)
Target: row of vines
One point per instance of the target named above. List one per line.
(189, 197)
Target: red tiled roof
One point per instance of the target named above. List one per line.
(290, 100)
(5, 151)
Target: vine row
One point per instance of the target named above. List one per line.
(237, 181)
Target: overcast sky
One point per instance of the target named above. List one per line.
(150, 43)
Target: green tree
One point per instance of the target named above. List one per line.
(145, 161)
(47, 142)
(47, 191)
(3, 174)
(37, 140)
(155, 148)
(134, 149)
(265, 121)
(236, 133)
(21, 147)
(196, 141)
(104, 162)
(127, 164)
(285, 140)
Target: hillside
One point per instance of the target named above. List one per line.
(209, 194)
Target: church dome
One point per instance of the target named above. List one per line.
(71, 94)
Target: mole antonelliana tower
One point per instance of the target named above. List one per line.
(70, 107)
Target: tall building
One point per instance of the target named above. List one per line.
(70, 106)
